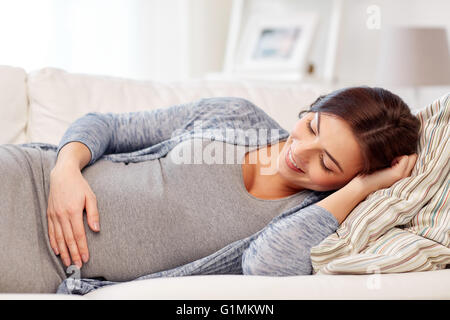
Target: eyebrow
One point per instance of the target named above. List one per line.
(329, 155)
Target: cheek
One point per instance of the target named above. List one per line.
(320, 179)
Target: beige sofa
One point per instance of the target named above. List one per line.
(39, 106)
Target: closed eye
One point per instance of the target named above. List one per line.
(322, 163)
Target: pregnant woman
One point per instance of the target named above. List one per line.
(210, 187)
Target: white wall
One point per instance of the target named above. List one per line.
(161, 31)
(209, 22)
(358, 45)
(25, 25)
(91, 36)
(358, 48)
(178, 39)
(140, 39)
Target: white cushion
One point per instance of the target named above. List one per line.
(57, 98)
(413, 285)
(13, 105)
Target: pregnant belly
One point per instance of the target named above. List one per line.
(146, 226)
(137, 236)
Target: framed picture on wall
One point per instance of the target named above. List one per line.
(276, 44)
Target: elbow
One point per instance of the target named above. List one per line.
(268, 263)
(284, 248)
(250, 264)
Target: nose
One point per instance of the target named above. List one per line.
(303, 150)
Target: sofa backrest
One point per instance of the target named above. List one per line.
(13, 105)
(57, 98)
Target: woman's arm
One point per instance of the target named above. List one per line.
(108, 133)
(283, 248)
(343, 201)
(74, 155)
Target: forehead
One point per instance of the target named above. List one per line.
(338, 139)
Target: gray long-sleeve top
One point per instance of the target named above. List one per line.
(281, 248)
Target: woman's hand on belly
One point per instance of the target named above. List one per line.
(69, 194)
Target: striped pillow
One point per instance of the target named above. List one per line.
(405, 227)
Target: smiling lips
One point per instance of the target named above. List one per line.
(291, 163)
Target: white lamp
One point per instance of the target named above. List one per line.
(414, 56)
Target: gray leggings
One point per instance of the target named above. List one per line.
(27, 264)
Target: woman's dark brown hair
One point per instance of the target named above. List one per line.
(381, 121)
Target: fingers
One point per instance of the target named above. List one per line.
(67, 233)
(412, 159)
(51, 234)
(399, 161)
(61, 243)
(92, 213)
(406, 164)
(70, 242)
(79, 237)
(68, 239)
(66, 228)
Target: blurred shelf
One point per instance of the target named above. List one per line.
(280, 78)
